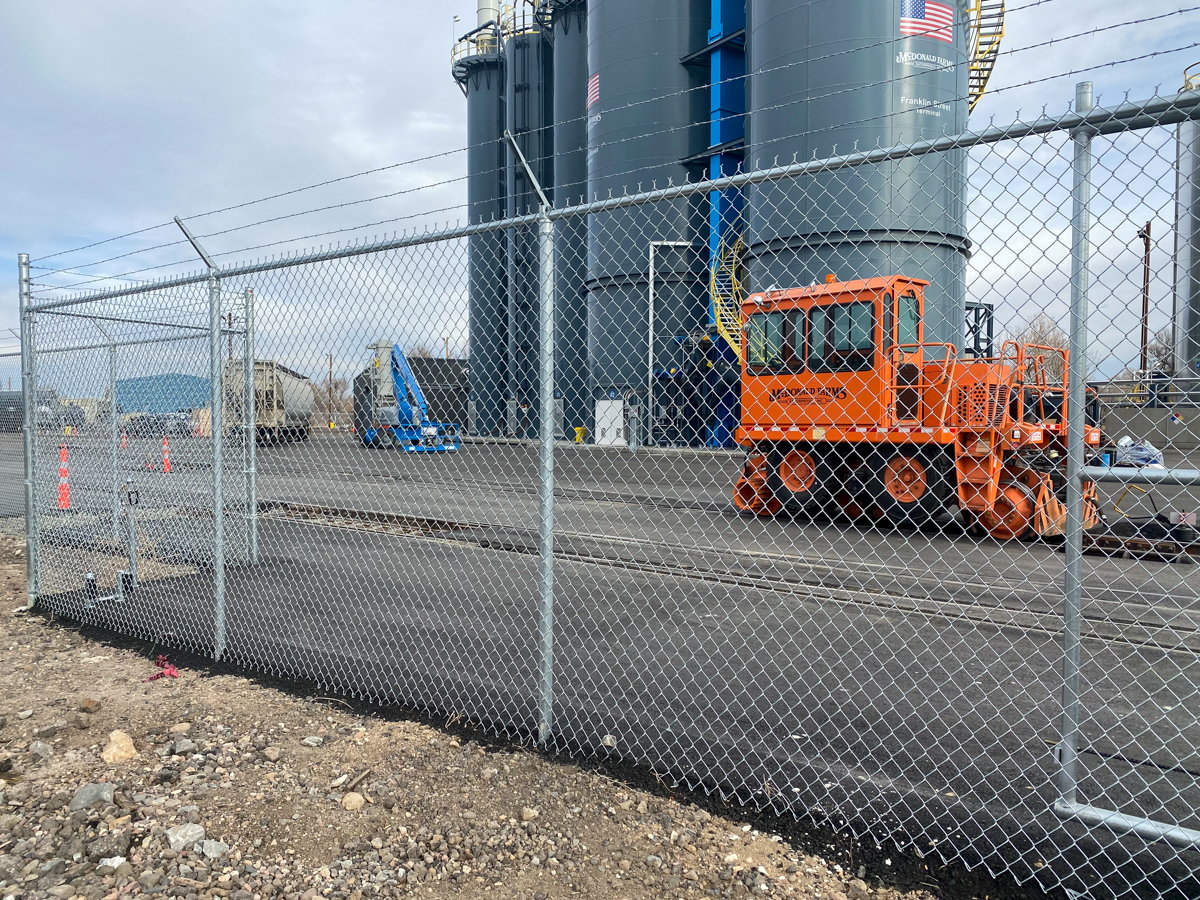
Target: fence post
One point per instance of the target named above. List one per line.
(218, 463)
(546, 486)
(1076, 407)
(29, 401)
(251, 416)
(114, 440)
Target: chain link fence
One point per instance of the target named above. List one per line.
(866, 549)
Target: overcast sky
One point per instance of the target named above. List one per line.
(117, 115)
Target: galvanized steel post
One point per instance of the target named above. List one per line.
(251, 417)
(1076, 405)
(218, 463)
(114, 440)
(546, 482)
(28, 400)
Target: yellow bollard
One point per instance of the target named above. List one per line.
(580, 434)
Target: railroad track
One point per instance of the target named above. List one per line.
(1137, 625)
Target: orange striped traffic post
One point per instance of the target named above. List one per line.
(64, 485)
(166, 457)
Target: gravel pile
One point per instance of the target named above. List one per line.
(208, 786)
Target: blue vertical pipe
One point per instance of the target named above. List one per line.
(727, 127)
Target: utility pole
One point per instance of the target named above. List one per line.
(447, 340)
(331, 392)
(1144, 234)
(231, 335)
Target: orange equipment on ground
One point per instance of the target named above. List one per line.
(846, 409)
(64, 483)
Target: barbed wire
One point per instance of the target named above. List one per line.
(841, 125)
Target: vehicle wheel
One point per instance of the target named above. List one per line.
(753, 493)
(910, 485)
(801, 479)
(1010, 518)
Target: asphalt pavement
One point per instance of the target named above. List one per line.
(912, 677)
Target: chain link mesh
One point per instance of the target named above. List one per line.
(803, 554)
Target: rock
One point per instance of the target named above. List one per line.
(242, 894)
(115, 843)
(89, 706)
(182, 837)
(46, 731)
(8, 822)
(184, 746)
(25, 714)
(180, 728)
(149, 879)
(353, 801)
(20, 792)
(339, 781)
(5, 765)
(313, 741)
(272, 753)
(62, 892)
(89, 794)
(857, 890)
(528, 814)
(214, 849)
(109, 866)
(41, 751)
(83, 721)
(119, 748)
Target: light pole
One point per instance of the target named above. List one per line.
(1144, 234)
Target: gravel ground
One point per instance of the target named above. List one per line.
(213, 785)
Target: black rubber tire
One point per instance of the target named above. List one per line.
(934, 464)
(818, 497)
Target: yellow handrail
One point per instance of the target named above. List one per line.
(985, 30)
(725, 291)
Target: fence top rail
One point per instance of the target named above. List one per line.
(1130, 116)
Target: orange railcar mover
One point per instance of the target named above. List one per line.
(847, 409)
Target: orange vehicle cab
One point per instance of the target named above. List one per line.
(847, 409)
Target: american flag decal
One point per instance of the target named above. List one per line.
(924, 18)
(593, 90)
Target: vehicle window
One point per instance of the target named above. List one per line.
(841, 338)
(909, 320)
(795, 340)
(765, 345)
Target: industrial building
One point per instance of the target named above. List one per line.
(605, 95)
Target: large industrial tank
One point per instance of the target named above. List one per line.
(647, 115)
(832, 76)
(529, 111)
(569, 33)
(479, 70)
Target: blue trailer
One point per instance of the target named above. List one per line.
(407, 425)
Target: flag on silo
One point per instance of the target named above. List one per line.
(593, 90)
(924, 18)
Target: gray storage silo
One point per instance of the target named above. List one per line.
(1187, 243)
(479, 71)
(569, 32)
(528, 93)
(831, 76)
(647, 115)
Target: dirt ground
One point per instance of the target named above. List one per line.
(235, 788)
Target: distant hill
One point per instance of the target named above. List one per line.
(159, 394)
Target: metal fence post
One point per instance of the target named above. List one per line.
(1076, 403)
(546, 487)
(114, 441)
(29, 401)
(251, 417)
(218, 463)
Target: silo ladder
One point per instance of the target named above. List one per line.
(985, 29)
(725, 289)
